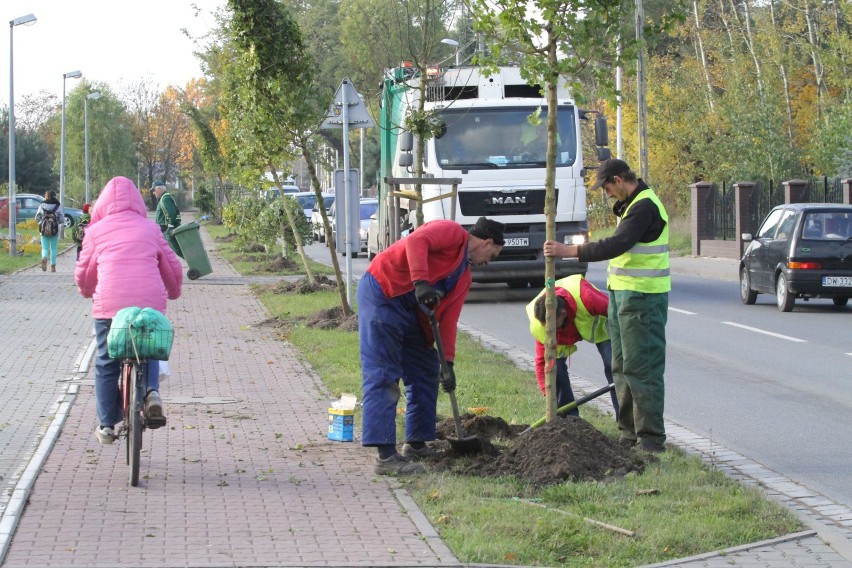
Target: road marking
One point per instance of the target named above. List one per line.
(778, 335)
(681, 311)
(850, 354)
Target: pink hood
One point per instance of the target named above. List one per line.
(125, 260)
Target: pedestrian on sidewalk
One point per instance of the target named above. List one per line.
(638, 279)
(80, 228)
(48, 216)
(430, 267)
(125, 262)
(581, 311)
(168, 215)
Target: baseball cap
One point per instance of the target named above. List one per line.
(158, 183)
(608, 169)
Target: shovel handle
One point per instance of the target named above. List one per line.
(572, 405)
(442, 358)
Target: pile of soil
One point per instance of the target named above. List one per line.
(333, 318)
(565, 449)
(279, 264)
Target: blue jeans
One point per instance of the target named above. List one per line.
(564, 393)
(108, 401)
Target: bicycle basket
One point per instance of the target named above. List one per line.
(141, 334)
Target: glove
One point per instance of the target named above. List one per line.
(426, 294)
(448, 379)
(170, 229)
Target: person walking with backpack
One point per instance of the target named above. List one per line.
(80, 229)
(48, 215)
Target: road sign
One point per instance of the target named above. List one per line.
(357, 115)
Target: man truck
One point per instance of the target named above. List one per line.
(487, 145)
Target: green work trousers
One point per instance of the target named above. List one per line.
(637, 327)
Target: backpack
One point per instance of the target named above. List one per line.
(49, 225)
(80, 231)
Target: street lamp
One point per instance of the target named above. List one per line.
(452, 43)
(93, 96)
(69, 75)
(13, 213)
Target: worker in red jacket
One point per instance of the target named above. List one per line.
(581, 311)
(430, 267)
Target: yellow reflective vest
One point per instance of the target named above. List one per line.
(645, 267)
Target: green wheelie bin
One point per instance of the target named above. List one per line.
(188, 237)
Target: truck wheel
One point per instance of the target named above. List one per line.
(516, 284)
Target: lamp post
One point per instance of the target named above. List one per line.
(69, 75)
(452, 43)
(13, 212)
(91, 96)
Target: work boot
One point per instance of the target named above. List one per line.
(397, 465)
(53, 268)
(154, 410)
(44, 265)
(417, 454)
(651, 447)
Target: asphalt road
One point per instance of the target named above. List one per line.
(775, 387)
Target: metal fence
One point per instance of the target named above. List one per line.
(823, 190)
(765, 196)
(721, 217)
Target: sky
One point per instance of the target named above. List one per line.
(118, 42)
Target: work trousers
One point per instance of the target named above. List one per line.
(393, 348)
(637, 328)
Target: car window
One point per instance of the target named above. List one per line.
(767, 230)
(827, 225)
(368, 209)
(787, 225)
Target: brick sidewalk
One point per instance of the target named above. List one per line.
(242, 475)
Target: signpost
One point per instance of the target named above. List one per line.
(348, 111)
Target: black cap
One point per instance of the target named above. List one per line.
(608, 169)
(488, 229)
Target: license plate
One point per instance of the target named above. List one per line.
(837, 281)
(517, 242)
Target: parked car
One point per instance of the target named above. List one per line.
(28, 204)
(801, 250)
(367, 208)
(316, 217)
(274, 192)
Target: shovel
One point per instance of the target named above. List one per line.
(563, 410)
(462, 444)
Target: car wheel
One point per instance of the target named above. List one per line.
(783, 297)
(747, 295)
(69, 221)
(840, 302)
(516, 284)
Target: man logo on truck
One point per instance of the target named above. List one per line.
(507, 200)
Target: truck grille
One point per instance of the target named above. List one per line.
(496, 203)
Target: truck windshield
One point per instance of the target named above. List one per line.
(502, 138)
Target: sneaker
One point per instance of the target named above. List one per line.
(397, 465)
(420, 453)
(105, 434)
(154, 410)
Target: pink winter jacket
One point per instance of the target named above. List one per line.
(125, 260)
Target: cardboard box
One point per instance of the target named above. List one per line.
(341, 424)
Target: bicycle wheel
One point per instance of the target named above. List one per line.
(134, 428)
(125, 384)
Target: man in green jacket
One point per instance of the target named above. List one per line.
(638, 280)
(168, 216)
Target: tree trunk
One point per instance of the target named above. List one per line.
(699, 47)
(300, 248)
(550, 228)
(315, 182)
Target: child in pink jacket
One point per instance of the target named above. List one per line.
(125, 262)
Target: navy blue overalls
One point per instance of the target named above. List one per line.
(393, 347)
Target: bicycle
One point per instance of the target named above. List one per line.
(135, 346)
